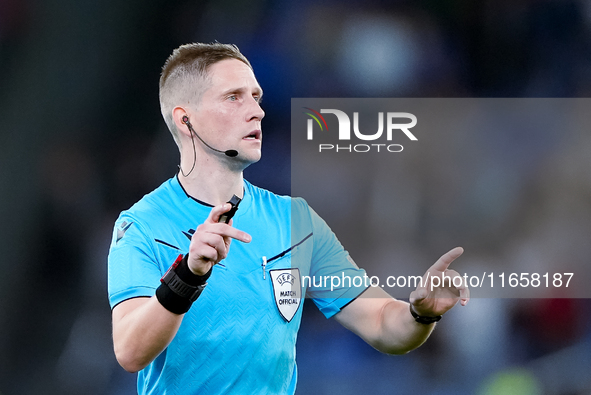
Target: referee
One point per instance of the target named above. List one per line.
(194, 316)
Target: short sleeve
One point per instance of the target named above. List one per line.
(133, 269)
(334, 280)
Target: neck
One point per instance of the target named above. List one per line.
(212, 180)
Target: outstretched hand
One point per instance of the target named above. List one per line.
(438, 292)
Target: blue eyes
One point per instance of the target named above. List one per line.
(258, 99)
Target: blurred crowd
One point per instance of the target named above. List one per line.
(81, 139)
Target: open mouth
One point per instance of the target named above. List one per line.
(254, 135)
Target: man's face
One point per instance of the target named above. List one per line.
(228, 116)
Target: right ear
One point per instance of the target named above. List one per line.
(178, 115)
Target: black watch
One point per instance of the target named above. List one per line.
(421, 319)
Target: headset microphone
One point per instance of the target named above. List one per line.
(231, 153)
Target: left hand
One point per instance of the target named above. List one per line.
(433, 297)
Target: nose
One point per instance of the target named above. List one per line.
(256, 112)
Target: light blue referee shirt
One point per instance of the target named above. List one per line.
(239, 337)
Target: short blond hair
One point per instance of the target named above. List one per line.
(185, 76)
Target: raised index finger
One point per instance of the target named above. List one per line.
(446, 259)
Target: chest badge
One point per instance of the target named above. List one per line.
(287, 291)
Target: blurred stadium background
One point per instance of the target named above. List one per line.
(81, 138)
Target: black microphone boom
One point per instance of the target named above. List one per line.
(231, 152)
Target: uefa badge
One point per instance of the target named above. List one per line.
(287, 290)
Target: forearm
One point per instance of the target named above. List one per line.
(384, 323)
(398, 332)
(142, 329)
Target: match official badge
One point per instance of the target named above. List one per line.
(287, 290)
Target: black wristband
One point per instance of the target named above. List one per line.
(180, 287)
(421, 319)
(182, 270)
(171, 301)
